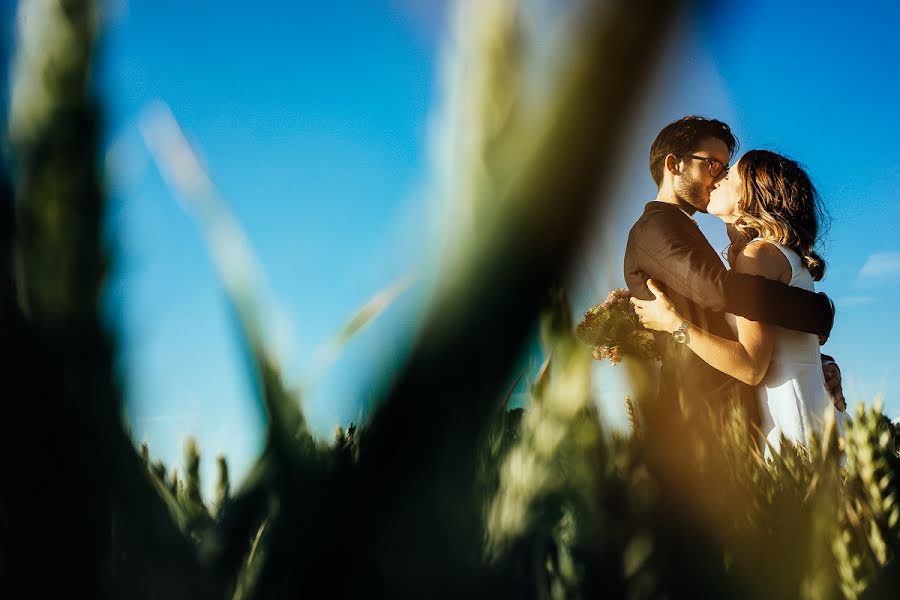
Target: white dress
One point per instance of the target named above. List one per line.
(792, 395)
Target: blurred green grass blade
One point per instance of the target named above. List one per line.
(238, 269)
(538, 207)
(368, 313)
(372, 309)
(64, 400)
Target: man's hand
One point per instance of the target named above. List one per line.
(833, 384)
(658, 314)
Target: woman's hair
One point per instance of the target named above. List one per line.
(779, 203)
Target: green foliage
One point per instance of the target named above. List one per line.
(799, 525)
(223, 485)
(869, 539)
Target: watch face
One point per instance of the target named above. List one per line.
(680, 336)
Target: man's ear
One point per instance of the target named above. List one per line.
(673, 165)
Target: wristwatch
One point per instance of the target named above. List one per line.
(680, 334)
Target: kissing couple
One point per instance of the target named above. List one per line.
(751, 333)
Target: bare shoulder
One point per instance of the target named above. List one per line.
(762, 258)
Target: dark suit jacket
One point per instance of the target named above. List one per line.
(666, 245)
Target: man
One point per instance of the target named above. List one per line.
(687, 159)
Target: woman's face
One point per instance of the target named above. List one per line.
(723, 200)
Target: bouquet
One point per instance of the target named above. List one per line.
(613, 330)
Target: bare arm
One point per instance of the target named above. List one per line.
(746, 359)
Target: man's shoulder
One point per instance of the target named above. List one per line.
(658, 219)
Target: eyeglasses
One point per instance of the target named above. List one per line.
(716, 169)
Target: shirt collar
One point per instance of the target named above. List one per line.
(670, 206)
(689, 216)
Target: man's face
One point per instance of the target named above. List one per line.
(694, 182)
(724, 200)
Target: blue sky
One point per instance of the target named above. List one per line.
(312, 123)
(314, 119)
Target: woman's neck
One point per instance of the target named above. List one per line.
(733, 233)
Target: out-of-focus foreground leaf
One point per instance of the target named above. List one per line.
(82, 517)
(534, 214)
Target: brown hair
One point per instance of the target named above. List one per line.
(779, 203)
(683, 136)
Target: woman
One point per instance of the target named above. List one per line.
(774, 212)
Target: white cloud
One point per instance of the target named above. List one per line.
(848, 301)
(881, 264)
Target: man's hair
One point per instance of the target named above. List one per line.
(683, 136)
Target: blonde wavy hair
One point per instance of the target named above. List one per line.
(780, 203)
